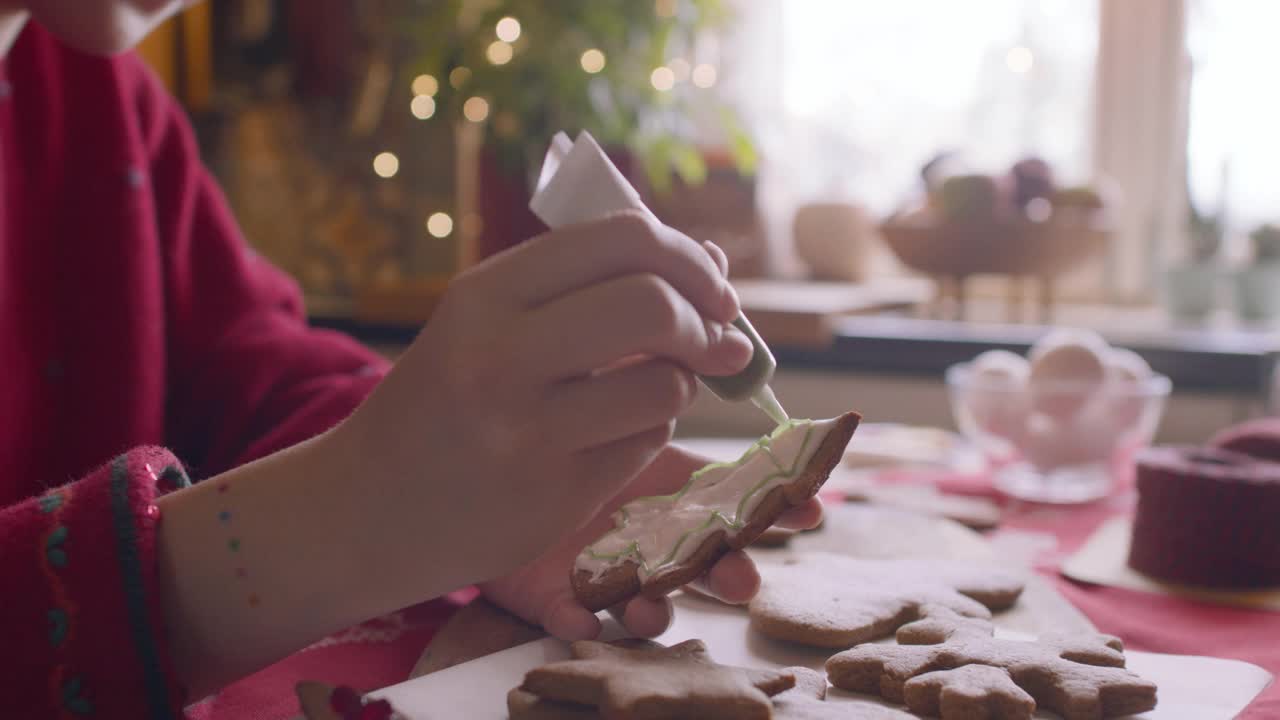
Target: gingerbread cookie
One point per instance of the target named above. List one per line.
(805, 701)
(969, 691)
(972, 512)
(524, 705)
(774, 537)
(660, 543)
(642, 679)
(1080, 677)
(835, 601)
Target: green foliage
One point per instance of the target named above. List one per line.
(544, 88)
(1205, 233)
(1266, 243)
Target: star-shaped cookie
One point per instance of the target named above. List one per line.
(635, 680)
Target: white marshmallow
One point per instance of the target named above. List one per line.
(1067, 367)
(1042, 443)
(996, 396)
(1127, 373)
(1050, 443)
(1127, 365)
(1000, 367)
(1066, 336)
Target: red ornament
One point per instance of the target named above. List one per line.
(345, 702)
(376, 710)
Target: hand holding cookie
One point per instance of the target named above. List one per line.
(548, 376)
(540, 592)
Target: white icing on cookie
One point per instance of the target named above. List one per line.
(663, 530)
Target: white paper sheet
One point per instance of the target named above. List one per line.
(1190, 688)
(1103, 560)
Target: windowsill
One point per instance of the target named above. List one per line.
(1220, 360)
(1219, 356)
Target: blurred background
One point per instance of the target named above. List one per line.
(899, 186)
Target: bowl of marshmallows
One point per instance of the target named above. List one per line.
(1062, 424)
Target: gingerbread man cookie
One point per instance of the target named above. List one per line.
(834, 601)
(660, 543)
(642, 679)
(1080, 677)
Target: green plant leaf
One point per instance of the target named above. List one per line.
(688, 163)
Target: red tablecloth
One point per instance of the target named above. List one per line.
(1145, 621)
(382, 652)
(375, 654)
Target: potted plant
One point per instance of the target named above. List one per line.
(1257, 285)
(634, 74)
(1191, 287)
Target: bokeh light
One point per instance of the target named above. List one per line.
(662, 78)
(475, 109)
(704, 76)
(422, 106)
(425, 85)
(386, 164)
(440, 225)
(593, 61)
(508, 29)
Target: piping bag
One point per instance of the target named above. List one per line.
(578, 183)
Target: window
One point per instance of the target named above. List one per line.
(1233, 149)
(872, 89)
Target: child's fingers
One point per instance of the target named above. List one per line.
(643, 617)
(568, 259)
(568, 620)
(733, 579)
(609, 406)
(620, 461)
(717, 255)
(639, 314)
(802, 517)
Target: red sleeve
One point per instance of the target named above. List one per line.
(247, 376)
(82, 621)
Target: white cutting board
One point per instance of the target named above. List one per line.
(1190, 687)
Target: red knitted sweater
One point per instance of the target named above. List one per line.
(133, 316)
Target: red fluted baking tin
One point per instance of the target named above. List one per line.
(1207, 517)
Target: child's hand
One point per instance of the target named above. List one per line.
(540, 591)
(547, 377)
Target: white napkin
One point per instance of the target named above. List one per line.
(579, 183)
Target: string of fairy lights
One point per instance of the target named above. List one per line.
(501, 51)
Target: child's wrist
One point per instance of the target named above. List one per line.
(386, 521)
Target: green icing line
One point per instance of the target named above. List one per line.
(761, 445)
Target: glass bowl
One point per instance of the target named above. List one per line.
(1066, 442)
